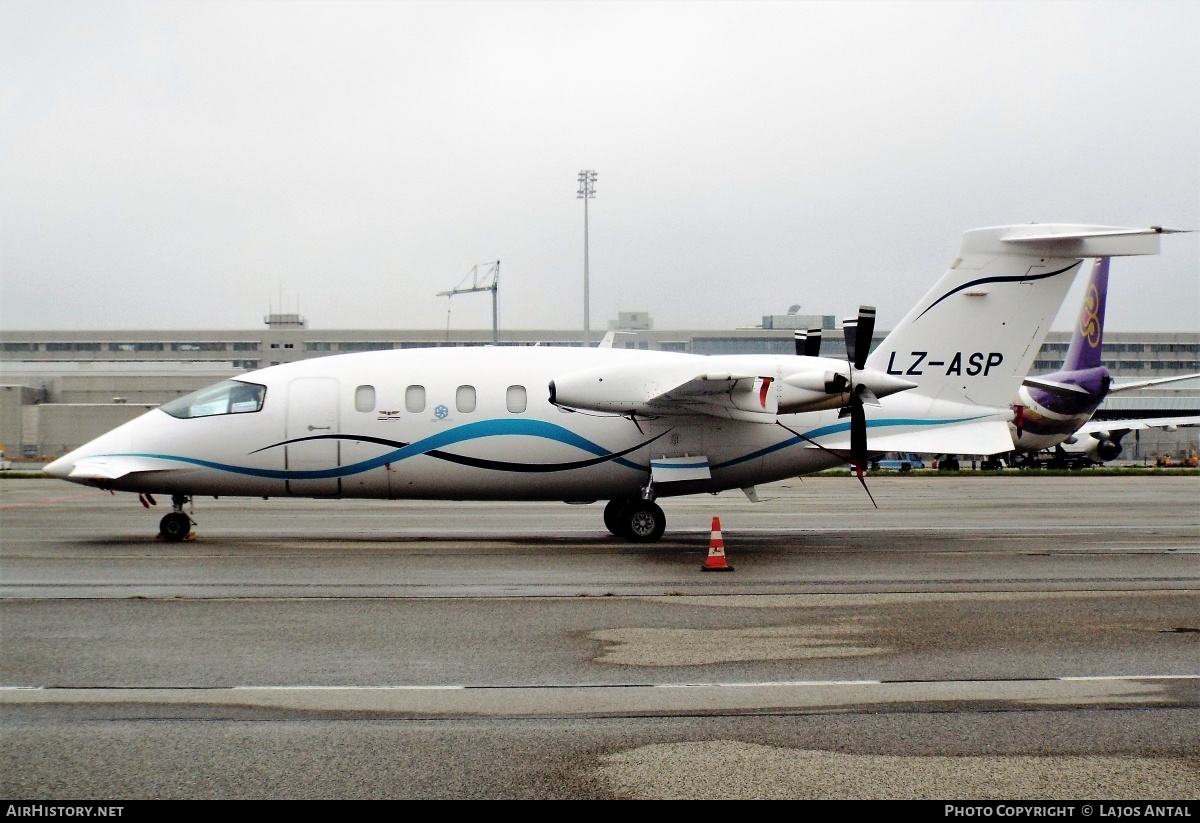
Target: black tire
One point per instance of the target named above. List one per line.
(642, 521)
(174, 527)
(612, 516)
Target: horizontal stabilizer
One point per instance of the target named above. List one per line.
(1055, 387)
(1063, 240)
(1142, 384)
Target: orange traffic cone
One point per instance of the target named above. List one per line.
(716, 551)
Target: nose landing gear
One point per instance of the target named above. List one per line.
(177, 525)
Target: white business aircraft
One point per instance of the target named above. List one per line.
(625, 426)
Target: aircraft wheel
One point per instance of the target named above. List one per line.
(174, 527)
(612, 516)
(643, 521)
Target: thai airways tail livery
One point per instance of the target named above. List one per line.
(1052, 409)
(617, 425)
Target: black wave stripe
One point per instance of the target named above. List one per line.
(476, 462)
(382, 441)
(504, 466)
(1017, 278)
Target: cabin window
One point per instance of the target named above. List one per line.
(464, 399)
(364, 399)
(516, 398)
(226, 397)
(414, 399)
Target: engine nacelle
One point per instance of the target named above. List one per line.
(1107, 449)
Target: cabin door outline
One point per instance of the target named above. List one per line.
(312, 411)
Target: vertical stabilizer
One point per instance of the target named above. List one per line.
(973, 337)
(1088, 337)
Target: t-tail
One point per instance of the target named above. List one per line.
(972, 338)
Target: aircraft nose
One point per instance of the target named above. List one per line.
(61, 467)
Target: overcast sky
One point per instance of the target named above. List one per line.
(193, 165)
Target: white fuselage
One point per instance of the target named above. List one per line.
(401, 424)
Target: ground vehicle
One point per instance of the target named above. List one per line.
(898, 461)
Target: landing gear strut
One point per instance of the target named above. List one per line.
(177, 525)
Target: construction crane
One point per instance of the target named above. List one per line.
(483, 277)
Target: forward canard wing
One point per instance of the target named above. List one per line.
(97, 470)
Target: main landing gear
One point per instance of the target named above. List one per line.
(638, 520)
(177, 525)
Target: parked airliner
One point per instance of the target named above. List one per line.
(1055, 410)
(618, 425)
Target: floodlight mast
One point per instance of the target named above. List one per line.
(478, 284)
(587, 190)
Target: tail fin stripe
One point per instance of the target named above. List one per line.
(1023, 278)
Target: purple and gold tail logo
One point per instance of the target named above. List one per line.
(1089, 319)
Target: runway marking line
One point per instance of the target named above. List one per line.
(766, 684)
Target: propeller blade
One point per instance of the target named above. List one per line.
(850, 331)
(858, 430)
(858, 467)
(808, 343)
(865, 330)
(858, 442)
(867, 396)
(812, 344)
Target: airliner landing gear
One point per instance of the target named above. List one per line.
(636, 520)
(177, 525)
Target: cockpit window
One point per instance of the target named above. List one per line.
(227, 397)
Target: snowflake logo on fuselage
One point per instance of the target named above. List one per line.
(441, 412)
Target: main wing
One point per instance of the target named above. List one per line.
(1104, 427)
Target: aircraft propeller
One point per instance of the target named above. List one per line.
(858, 332)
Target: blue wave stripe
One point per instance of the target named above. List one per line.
(470, 431)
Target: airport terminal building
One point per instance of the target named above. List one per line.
(59, 389)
